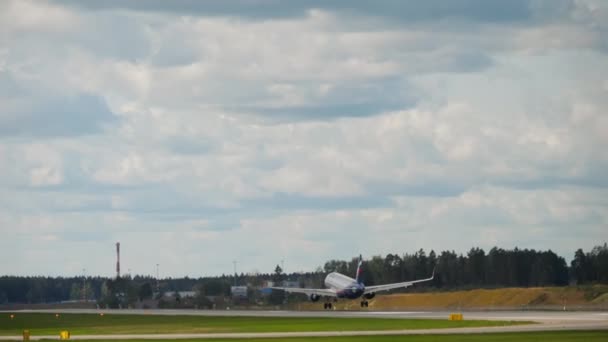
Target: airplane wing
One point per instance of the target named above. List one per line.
(386, 287)
(318, 292)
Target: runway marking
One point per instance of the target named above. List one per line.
(538, 318)
(391, 313)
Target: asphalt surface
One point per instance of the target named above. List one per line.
(547, 321)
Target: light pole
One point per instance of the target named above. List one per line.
(84, 285)
(234, 262)
(284, 280)
(157, 280)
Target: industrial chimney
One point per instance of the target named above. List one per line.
(118, 260)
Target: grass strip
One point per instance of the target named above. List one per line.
(108, 324)
(586, 336)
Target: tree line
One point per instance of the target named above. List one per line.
(477, 268)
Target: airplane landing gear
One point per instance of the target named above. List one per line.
(364, 304)
(327, 306)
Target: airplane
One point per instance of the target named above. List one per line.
(344, 287)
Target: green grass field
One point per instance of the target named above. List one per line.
(92, 324)
(587, 336)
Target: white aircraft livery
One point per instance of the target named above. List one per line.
(340, 286)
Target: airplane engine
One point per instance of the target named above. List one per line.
(369, 295)
(314, 298)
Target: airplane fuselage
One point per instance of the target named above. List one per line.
(346, 287)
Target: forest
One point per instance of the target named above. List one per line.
(476, 269)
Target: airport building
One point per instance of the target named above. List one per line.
(239, 292)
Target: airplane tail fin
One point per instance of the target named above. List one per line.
(358, 275)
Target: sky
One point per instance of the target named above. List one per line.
(198, 133)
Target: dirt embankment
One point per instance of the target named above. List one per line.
(556, 298)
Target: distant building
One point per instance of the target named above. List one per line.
(238, 291)
(182, 294)
(266, 291)
(286, 283)
(267, 287)
(291, 283)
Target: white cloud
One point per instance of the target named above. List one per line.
(313, 134)
(25, 16)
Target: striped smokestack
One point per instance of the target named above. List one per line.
(118, 260)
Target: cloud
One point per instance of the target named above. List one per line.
(310, 101)
(82, 114)
(313, 129)
(27, 16)
(323, 75)
(404, 11)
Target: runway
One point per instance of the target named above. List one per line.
(546, 321)
(554, 317)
